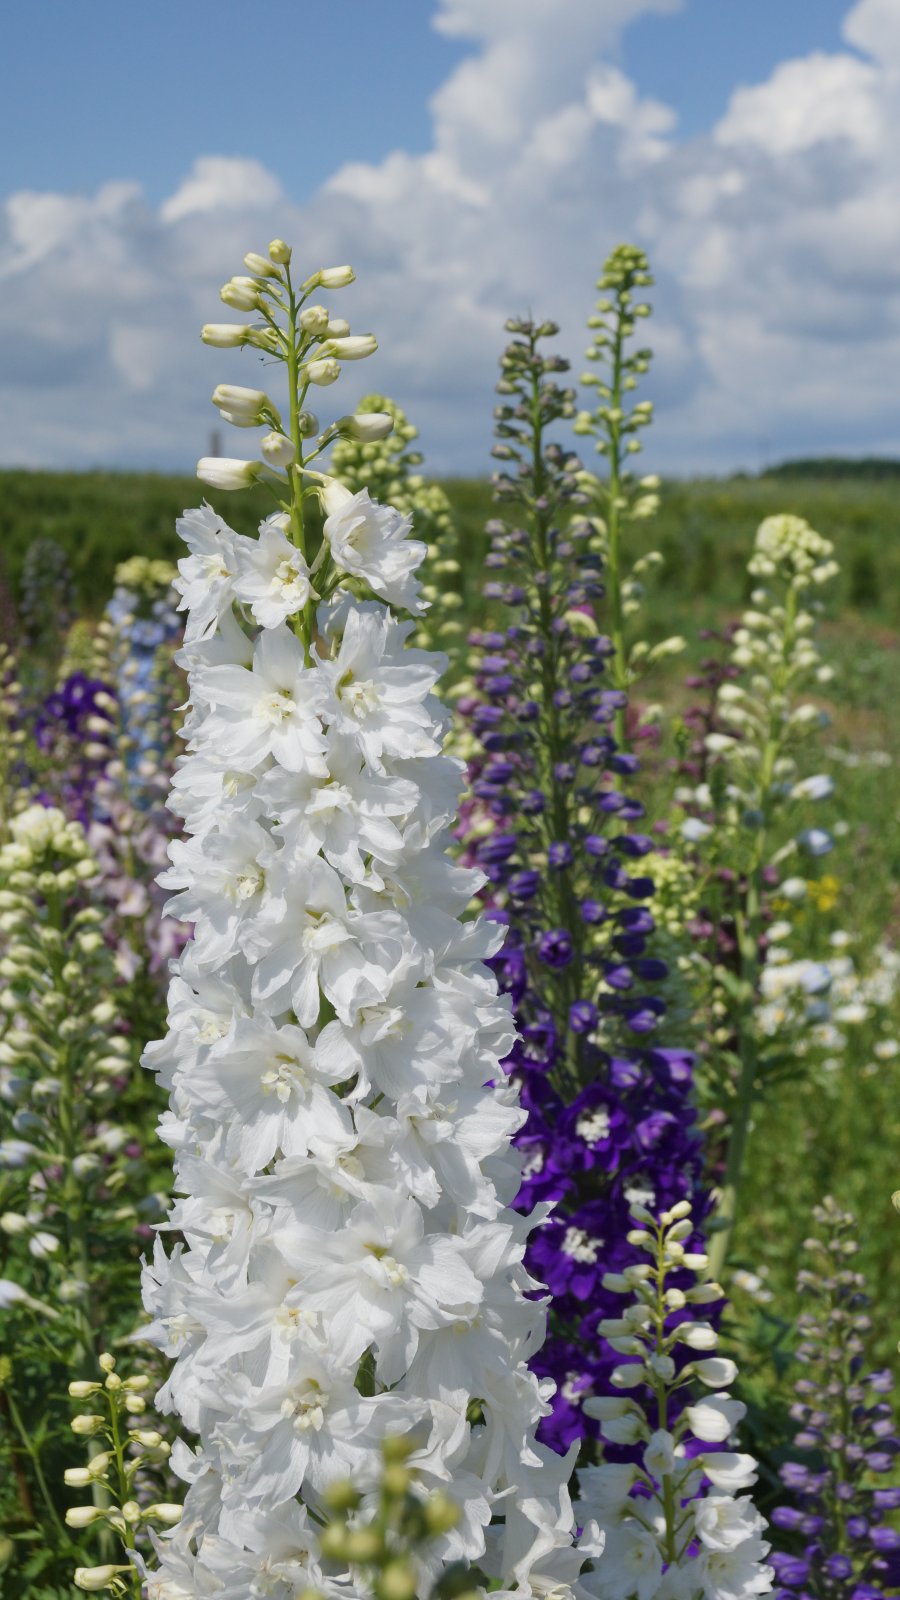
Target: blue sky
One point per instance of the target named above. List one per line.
(470, 157)
(100, 90)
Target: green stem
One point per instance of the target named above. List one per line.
(614, 534)
(550, 748)
(33, 1456)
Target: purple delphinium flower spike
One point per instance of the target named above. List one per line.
(837, 1542)
(559, 837)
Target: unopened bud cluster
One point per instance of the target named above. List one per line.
(126, 1464)
(385, 1538)
(298, 330)
(615, 424)
(65, 1157)
(667, 1534)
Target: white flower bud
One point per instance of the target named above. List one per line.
(280, 252)
(698, 1335)
(245, 408)
(259, 266)
(82, 1516)
(13, 1223)
(224, 335)
(717, 1372)
(165, 1512)
(225, 472)
(241, 293)
(322, 372)
(366, 426)
(95, 1578)
(278, 450)
(86, 1424)
(77, 1478)
(335, 277)
(82, 1388)
(354, 348)
(314, 319)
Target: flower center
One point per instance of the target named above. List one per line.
(284, 1078)
(594, 1125)
(361, 697)
(306, 1407)
(277, 707)
(579, 1246)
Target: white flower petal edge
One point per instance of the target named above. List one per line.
(347, 1267)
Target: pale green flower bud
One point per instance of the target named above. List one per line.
(354, 348)
(259, 266)
(245, 408)
(77, 1478)
(366, 426)
(224, 335)
(278, 450)
(225, 472)
(82, 1516)
(322, 372)
(280, 252)
(164, 1512)
(241, 293)
(335, 277)
(86, 1424)
(338, 327)
(314, 319)
(96, 1578)
(308, 424)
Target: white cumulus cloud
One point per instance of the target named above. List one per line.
(776, 237)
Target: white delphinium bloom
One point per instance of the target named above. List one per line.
(371, 541)
(346, 1269)
(669, 1540)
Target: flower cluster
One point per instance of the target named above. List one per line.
(555, 831)
(140, 625)
(388, 1555)
(676, 1523)
(73, 1187)
(749, 817)
(346, 1269)
(847, 1437)
(74, 741)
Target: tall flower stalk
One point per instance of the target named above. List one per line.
(618, 498)
(73, 1189)
(553, 826)
(347, 1268)
(847, 1440)
(745, 826)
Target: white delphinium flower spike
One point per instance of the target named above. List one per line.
(346, 1270)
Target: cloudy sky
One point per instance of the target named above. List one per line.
(470, 158)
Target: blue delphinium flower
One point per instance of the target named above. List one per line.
(847, 1441)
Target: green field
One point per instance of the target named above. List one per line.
(843, 1135)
